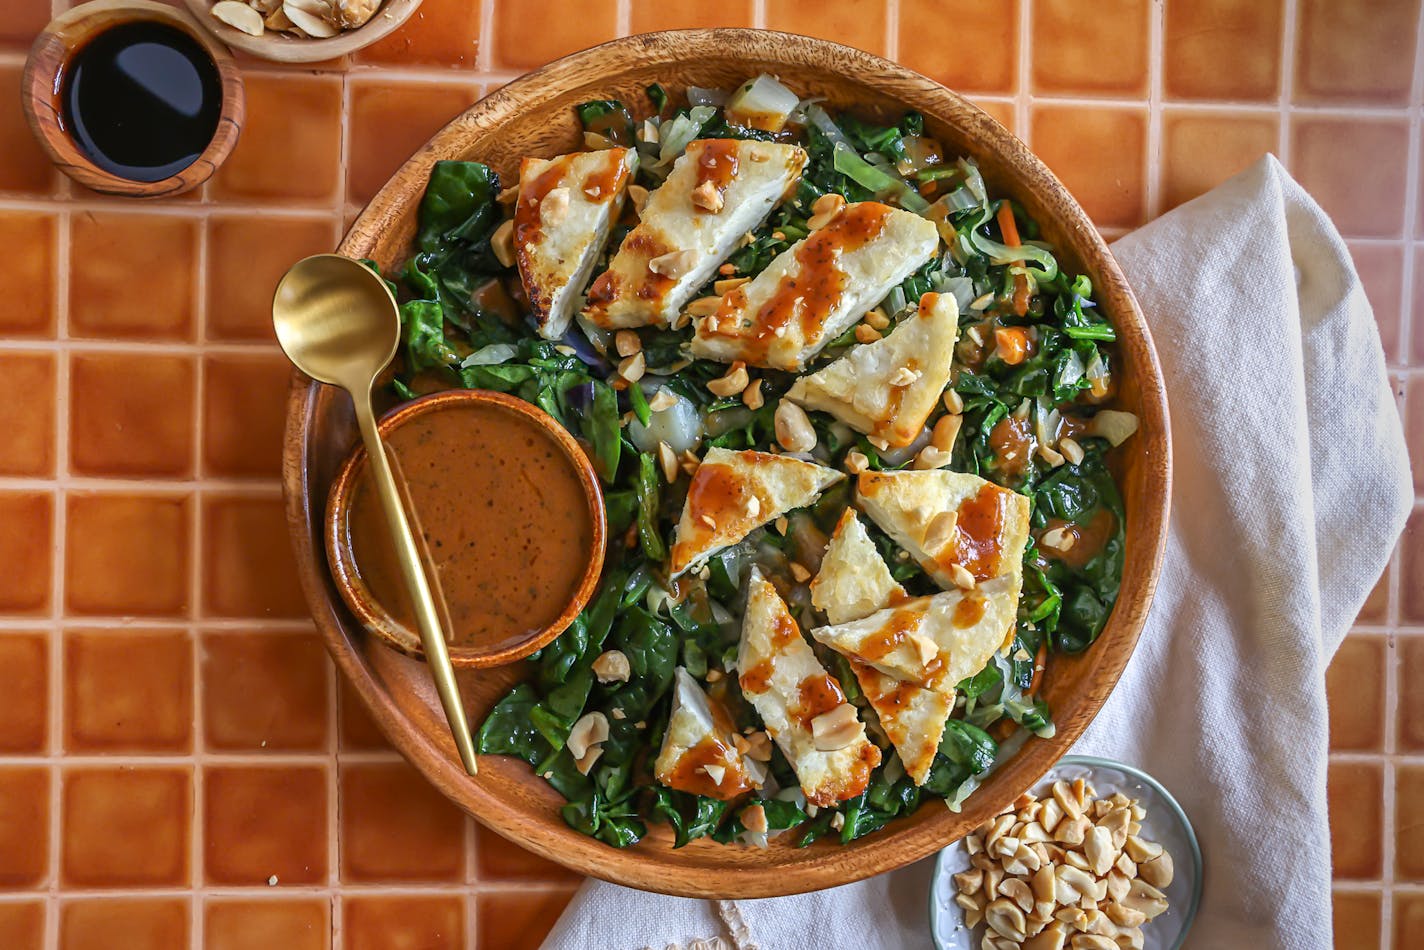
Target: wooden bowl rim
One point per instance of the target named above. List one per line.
(358, 598)
(821, 865)
(40, 89)
(285, 48)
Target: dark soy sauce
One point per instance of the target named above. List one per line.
(142, 100)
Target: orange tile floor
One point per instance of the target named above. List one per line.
(178, 763)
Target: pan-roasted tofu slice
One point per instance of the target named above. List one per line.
(567, 206)
(950, 521)
(802, 705)
(698, 754)
(911, 715)
(934, 642)
(733, 493)
(718, 190)
(817, 288)
(853, 581)
(889, 388)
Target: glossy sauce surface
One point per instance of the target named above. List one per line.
(976, 542)
(502, 516)
(717, 163)
(142, 100)
(1088, 538)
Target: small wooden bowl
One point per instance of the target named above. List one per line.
(358, 596)
(286, 48)
(534, 116)
(42, 85)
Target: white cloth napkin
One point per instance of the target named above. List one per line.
(1290, 487)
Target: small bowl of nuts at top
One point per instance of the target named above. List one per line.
(1096, 856)
(300, 31)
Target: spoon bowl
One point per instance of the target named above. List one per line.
(338, 322)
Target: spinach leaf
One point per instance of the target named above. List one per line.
(968, 746)
(609, 118)
(458, 205)
(648, 536)
(507, 730)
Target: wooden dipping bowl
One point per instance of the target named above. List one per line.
(534, 116)
(41, 86)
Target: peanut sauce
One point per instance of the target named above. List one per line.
(716, 492)
(969, 611)
(603, 184)
(976, 542)
(500, 514)
(717, 163)
(816, 694)
(528, 214)
(690, 774)
(1088, 539)
(812, 289)
(1013, 443)
(758, 678)
(896, 630)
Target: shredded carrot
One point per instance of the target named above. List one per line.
(1039, 662)
(1011, 344)
(1007, 227)
(1020, 295)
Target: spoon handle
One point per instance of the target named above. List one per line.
(432, 638)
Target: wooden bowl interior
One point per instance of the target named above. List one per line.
(42, 83)
(534, 116)
(285, 48)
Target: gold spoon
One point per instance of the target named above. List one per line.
(337, 321)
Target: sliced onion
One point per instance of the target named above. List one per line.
(1115, 426)
(679, 425)
(491, 355)
(762, 103)
(902, 455)
(698, 96)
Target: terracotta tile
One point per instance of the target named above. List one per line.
(1356, 920)
(1355, 169)
(24, 827)
(1414, 414)
(22, 925)
(1408, 914)
(1222, 49)
(127, 553)
(267, 924)
(534, 32)
(1100, 156)
(1003, 113)
(133, 276)
(27, 269)
(248, 569)
(396, 827)
(1090, 47)
(390, 120)
(1200, 151)
(131, 414)
(989, 27)
(1409, 821)
(264, 691)
(239, 299)
(1356, 796)
(1410, 736)
(27, 419)
(518, 920)
(407, 921)
(442, 34)
(259, 822)
(1355, 684)
(131, 923)
(26, 518)
(1411, 567)
(126, 827)
(23, 19)
(1381, 269)
(24, 166)
(1416, 309)
(290, 147)
(358, 729)
(1357, 52)
(858, 23)
(128, 691)
(244, 411)
(1376, 606)
(24, 693)
(499, 859)
(650, 15)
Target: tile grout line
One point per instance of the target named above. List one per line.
(892, 30)
(196, 829)
(1023, 72)
(1153, 178)
(759, 14)
(622, 17)
(1289, 25)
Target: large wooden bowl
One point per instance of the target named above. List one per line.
(534, 116)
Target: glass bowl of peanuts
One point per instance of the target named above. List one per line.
(1096, 856)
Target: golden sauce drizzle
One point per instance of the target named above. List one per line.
(603, 184)
(809, 291)
(716, 492)
(758, 678)
(717, 163)
(1013, 443)
(969, 610)
(977, 541)
(816, 694)
(528, 214)
(851, 782)
(1088, 539)
(785, 632)
(690, 773)
(896, 630)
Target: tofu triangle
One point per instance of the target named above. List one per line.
(890, 387)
